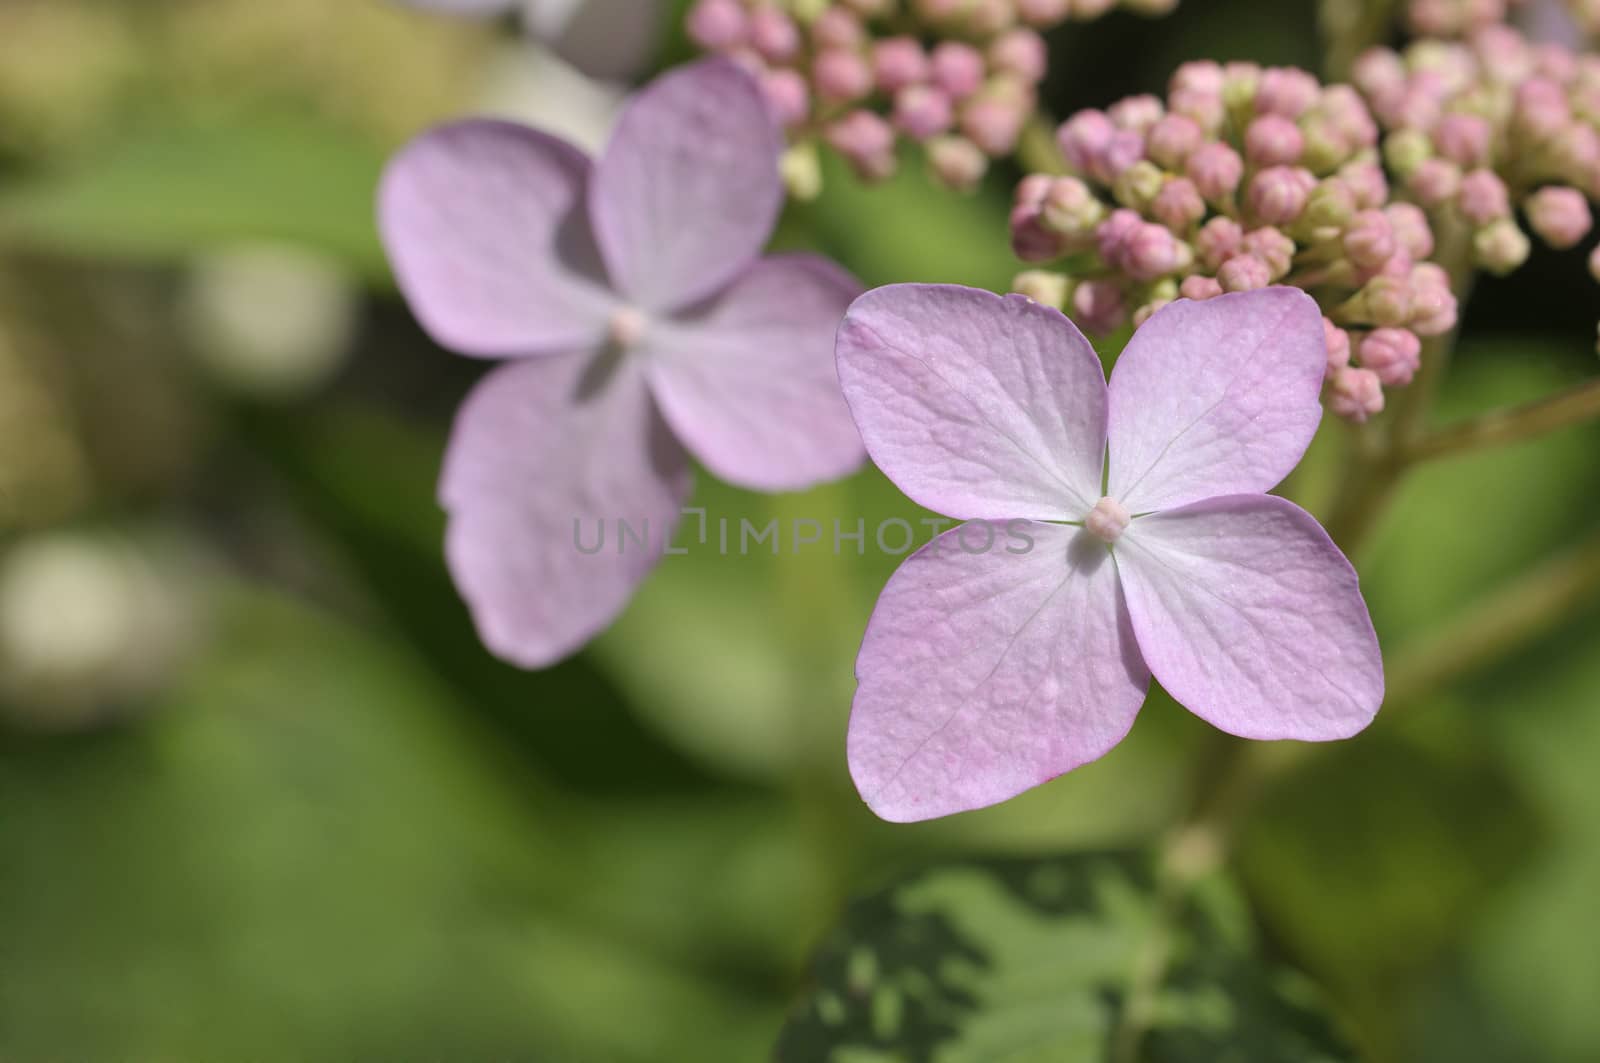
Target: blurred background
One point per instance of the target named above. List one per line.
(264, 796)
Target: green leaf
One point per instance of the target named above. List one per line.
(162, 194)
(1078, 959)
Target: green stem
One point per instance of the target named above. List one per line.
(1511, 425)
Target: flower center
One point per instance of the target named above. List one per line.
(1107, 520)
(627, 327)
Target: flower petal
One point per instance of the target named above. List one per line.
(974, 404)
(609, 39)
(484, 225)
(543, 449)
(1216, 398)
(687, 192)
(1250, 617)
(985, 674)
(748, 381)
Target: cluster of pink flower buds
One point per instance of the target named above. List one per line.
(958, 77)
(1456, 18)
(1478, 129)
(1241, 178)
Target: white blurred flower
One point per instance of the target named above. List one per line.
(528, 83)
(269, 321)
(87, 626)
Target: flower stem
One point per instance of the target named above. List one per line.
(1500, 623)
(1512, 425)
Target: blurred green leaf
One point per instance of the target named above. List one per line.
(1078, 959)
(309, 853)
(1370, 861)
(162, 194)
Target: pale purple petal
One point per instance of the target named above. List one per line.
(1215, 398)
(748, 380)
(609, 39)
(485, 228)
(985, 674)
(1252, 619)
(543, 449)
(976, 405)
(687, 192)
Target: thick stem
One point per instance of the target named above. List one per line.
(1512, 425)
(1499, 624)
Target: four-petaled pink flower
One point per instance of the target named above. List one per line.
(988, 667)
(643, 323)
(603, 38)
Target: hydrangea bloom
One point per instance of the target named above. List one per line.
(991, 665)
(603, 38)
(1240, 178)
(642, 323)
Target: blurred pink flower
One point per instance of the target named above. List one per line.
(643, 327)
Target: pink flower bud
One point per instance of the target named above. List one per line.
(840, 76)
(1170, 140)
(1277, 195)
(1244, 273)
(1541, 109)
(867, 143)
(1099, 307)
(774, 34)
(922, 111)
(1201, 75)
(1113, 234)
(1083, 139)
(1043, 12)
(1218, 240)
(788, 96)
(1199, 288)
(1435, 183)
(718, 25)
(1412, 233)
(993, 124)
(898, 62)
(1286, 91)
(1394, 354)
(1338, 343)
(1071, 209)
(1216, 170)
(1355, 394)
(1378, 72)
(956, 162)
(1366, 182)
(1369, 241)
(1020, 52)
(1560, 215)
(1178, 205)
(1123, 153)
(1206, 108)
(957, 68)
(1463, 139)
(838, 27)
(1483, 197)
(1137, 113)
(1151, 251)
(1273, 140)
(1272, 248)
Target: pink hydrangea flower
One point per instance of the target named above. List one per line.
(1021, 644)
(603, 38)
(643, 326)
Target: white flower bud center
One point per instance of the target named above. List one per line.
(627, 327)
(1107, 520)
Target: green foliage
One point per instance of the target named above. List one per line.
(162, 194)
(1078, 959)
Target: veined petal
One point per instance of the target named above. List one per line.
(1252, 619)
(976, 405)
(1215, 398)
(548, 455)
(484, 224)
(985, 674)
(687, 192)
(748, 380)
